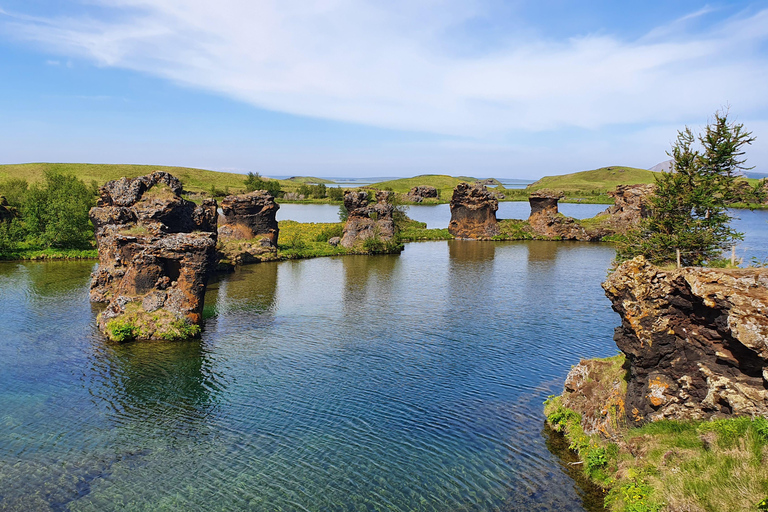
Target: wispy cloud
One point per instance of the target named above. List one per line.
(385, 63)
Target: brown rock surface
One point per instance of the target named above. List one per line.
(695, 339)
(548, 222)
(418, 194)
(366, 219)
(630, 206)
(249, 216)
(473, 212)
(156, 250)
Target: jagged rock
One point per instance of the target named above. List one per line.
(335, 241)
(548, 222)
(156, 250)
(630, 206)
(250, 216)
(418, 194)
(367, 220)
(473, 212)
(695, 339)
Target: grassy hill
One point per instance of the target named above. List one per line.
(598, 181)
(310, 180)
(442, 182)
(194, 180)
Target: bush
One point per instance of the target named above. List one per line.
(121, 331)
(255, 182)
(55, 213)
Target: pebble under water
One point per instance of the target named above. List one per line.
(410, 382)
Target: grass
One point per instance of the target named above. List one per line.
(595, 182)
(310, 180)
(442, 182)
(25, 251)
(199, 181)
(695, 466)
(413, 230)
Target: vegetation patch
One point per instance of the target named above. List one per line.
(711, 466)
(137, 323)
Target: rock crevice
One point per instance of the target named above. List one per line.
(695, 340)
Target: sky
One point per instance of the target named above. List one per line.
(362, 88)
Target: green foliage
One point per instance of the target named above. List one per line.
(255, 182)
(335, 193)
(763, 505)
(122, 331)
(688, 210)
(14, 190)
(596, 459)
(55, 212)
(180, 330)
(330, 231)
(636, 497)
(343, 213)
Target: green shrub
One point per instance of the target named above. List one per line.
(121, 331)
(180, 330)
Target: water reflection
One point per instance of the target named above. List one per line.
(541, 251)
(170, 387)
(367, 278)
(470, 251)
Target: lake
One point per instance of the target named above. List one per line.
(397, 382)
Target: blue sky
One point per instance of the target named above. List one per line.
(511, 89)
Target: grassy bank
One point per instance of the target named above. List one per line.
(693, 466)
(31, 253)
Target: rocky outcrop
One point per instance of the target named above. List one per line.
(156, 250)
(546, 221)
(418, 194)
(473, 212)
(250, 216)
(695, 340)
(596, 389)
(630, 206)
(366, 219)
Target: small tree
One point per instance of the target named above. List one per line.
(255, 182)
(688, 209)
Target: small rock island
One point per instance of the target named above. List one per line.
(156, 251)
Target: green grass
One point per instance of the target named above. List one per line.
(22, 251)
(442, 182)
(310, 180)
(413, 230)
(708, 466)
(194, 180)
(595, 182)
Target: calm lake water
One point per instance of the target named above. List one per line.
(410, 382)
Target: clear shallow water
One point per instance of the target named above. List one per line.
(409, 382)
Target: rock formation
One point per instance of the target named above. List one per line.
(418, 194)
(249, 216)
(156, 250)
(546, 221)
(630, 206)
(473, 212)
(366, 219)
(695, 340)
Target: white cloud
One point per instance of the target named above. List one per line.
(383, 63)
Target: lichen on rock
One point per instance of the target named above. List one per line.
(156, 250)
(696, 340)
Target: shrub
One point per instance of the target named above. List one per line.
(121, 331)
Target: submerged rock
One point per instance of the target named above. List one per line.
(547, 221)
(367, 220)
(695, 339)
(473, 212)
(156, 251)
(630, 206)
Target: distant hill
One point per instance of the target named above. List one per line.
(194, 180)
(664, 166)
(310, 180)
(439, 181)
(596, 181)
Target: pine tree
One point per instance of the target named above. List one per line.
(688, 209)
